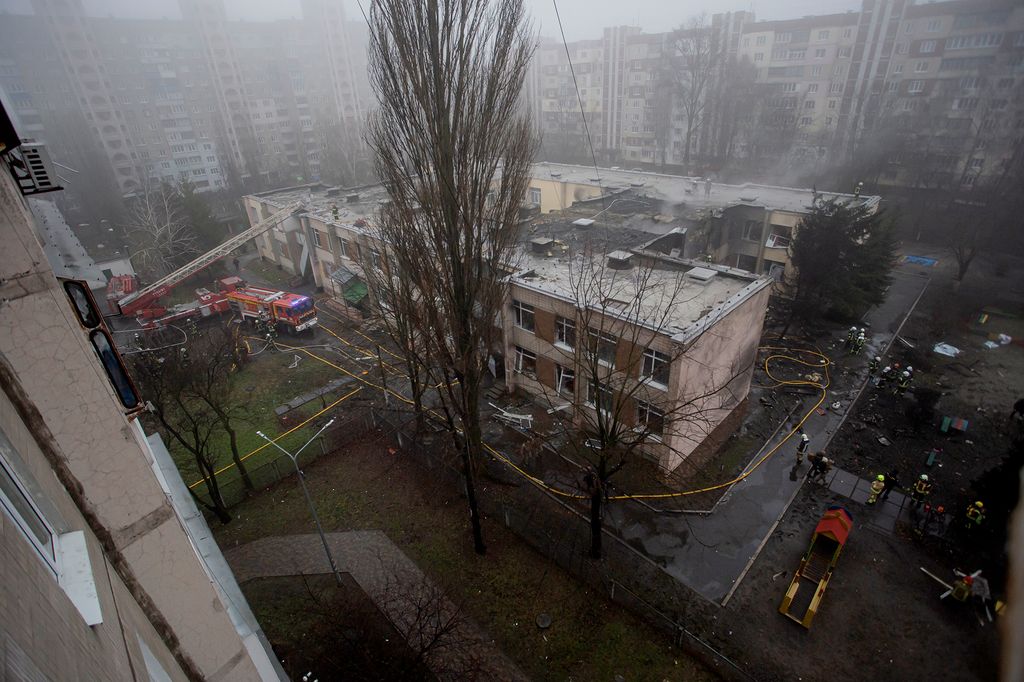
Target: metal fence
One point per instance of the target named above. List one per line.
(558, 529)
(232, 487)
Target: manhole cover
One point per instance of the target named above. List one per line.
(543, 621)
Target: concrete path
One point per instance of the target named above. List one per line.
(712, 553)
(881, 516)
(413, 604)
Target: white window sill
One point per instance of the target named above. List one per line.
(653, 437)
(524, 329)
(563, 346)
(649, 381)
(75, 576)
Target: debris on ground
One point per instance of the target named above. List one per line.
(946, 350)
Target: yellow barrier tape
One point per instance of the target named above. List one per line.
(823, 363)
(294, 428)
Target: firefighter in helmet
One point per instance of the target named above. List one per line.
(921, 490)
(975, 515)
(877, 486)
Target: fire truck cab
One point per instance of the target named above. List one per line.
(291, 313)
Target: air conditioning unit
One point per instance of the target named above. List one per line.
(33, 170)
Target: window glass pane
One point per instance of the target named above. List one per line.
(115, 369)
(23, 512)
(87, 313)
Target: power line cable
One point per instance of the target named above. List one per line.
(579, 98)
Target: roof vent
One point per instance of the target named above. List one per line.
(636, 184)
(749, 199)
(701, 275)
(555, 174)
(352, 198)
(594, 178)
(619, 260)
(583, 222)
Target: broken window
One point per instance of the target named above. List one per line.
(526, 362)
(752, 231)
(565, 380)
(523, 315)
(603, 345)
(600, 396)
(656, 366)
(779, 237)
(565, 332)
(650, 418)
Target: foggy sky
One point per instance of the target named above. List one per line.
(581, 18)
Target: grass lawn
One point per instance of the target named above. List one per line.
(363, 486)
(265, 383)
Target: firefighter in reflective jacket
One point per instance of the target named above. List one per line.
(850, 337)
(874, 364)
(975, 515)
(877, 486)
(922, 489)
(902, 383)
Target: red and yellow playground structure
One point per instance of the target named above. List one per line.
(816, 566)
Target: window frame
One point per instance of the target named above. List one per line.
(522, 354)
(604, 391)
(565, 328)
(46, 554)
(561, 373)
(598, 341)
(644, 413)
(650, 375)
(520, 311)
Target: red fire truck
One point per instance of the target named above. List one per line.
(290, 312)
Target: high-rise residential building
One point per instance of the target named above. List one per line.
(203, 98)
(109, 570)
(911, 93)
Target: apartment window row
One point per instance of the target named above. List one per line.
(972, 42)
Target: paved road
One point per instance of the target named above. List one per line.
(396, 586)
(711, 553)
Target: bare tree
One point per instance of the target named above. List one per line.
(161, 238)
(453, 149)
(397, 301)
(695, 57)
(213, 357)
(621, 374)
(165, 373)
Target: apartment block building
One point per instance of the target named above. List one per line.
(202, 98)
(802, 68)
(953, 93)
(109, 570)
(916, 93)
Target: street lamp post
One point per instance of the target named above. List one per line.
(305, 491)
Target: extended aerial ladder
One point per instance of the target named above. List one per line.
(143, 298)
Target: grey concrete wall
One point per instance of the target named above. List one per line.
(83, 431)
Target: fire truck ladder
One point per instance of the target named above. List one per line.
(141, 298)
